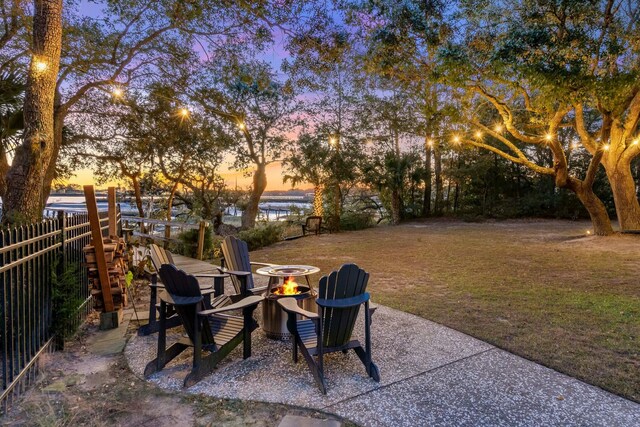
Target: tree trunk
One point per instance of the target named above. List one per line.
(24, 197)
(172, 194)
(4, 169)
(437, 157)
(50, 174)
(395, 206)
(318, 208)
(426, 201)
(337, 207)
(623, 188)
(137, 193)
(593, 205)
(251, 210)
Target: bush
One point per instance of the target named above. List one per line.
(262, 235)
(187, 244)
(356, 220)
(65, 299)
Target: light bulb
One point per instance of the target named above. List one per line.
(40, 65)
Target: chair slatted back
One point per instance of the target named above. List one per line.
(313, 224)
(159, 256)
(236, 258)
(180, 284)
(338, 323)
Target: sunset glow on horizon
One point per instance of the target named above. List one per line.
(231, 178)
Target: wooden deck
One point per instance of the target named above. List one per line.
(193, 266)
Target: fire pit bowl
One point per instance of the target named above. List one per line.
(274, 319)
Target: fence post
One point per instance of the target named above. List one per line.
(111, 201)
(62, 263)
(201, 232)
(62, 223)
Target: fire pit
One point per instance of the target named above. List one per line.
(274, 319)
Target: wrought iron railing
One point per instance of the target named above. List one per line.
(29, 257)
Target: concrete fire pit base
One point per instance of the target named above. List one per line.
(430, 375)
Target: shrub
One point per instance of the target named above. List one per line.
(187, 244)
(65, 299)
(356, 220)
(262, 235)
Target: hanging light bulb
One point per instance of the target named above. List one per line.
(117, 92)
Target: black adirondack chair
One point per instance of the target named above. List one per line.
(236, 259)
(160, 256)
(340, 296)
(213, 330)
(313, 225)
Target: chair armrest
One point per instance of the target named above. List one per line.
(258, 290)
(291, 306)
(263, 264)
(178, 300)
(235, 273)
(343, 302)
(211, 275)
(244, 303)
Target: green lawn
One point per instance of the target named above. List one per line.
(540, 289)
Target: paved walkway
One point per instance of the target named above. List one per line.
(431, 376)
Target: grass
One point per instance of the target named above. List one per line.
(540, 289)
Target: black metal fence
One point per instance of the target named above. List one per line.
(31, 257)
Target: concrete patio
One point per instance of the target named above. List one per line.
(431, 375)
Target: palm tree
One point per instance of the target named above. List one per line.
(12, 87)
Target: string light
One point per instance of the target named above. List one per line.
(430, 142)
(478, 134)
(574, 145)
(39, 65)
(117, 92)
(456, 139)
(332, 140)
(588, 232)
(241, 125)
(606, 147)
(184, 112)
(548, 137)
(635, 141)
(498, 128)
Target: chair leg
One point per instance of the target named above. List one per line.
(246, 333)
(164, 355)
(209, 362)
(197, 344)
(316, 370)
